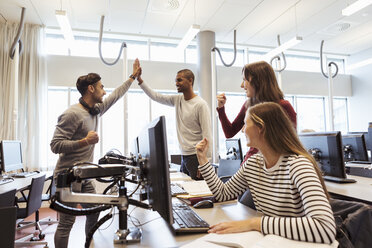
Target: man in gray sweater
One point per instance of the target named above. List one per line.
(76, 135)
(193, 118)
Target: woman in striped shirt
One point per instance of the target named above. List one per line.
(284, 180)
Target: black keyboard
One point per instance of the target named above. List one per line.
(6, 180)
(25, 174)
(186, 220)
(177, 190)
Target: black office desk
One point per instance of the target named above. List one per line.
(21, 184)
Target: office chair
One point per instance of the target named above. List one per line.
(227, 168)
(33, 203)
(8, 213)
(47, 197)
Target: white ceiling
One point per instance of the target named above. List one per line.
(258, 22)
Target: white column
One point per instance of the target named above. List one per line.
(14, 82)
(125, 100)
(208, 91)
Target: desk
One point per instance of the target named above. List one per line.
(21, 184)
(359, 191)
(157, 233)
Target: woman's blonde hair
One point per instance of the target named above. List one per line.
(262, 78)
(279, 132)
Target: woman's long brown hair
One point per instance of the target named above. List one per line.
(262, 78)
(279, 132)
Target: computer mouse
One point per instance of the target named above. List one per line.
(204, 204)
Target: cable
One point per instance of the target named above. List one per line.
(329, 64)
(219, 53)
(95, 227)
(100, 42)
(18, 36)
(76, 211)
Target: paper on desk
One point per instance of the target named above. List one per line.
(179, 176)
(196, 188)
(251, 239)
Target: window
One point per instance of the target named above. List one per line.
(170, 118)
(232, 107)
(165, 52)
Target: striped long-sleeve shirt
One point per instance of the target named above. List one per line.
(289, 194)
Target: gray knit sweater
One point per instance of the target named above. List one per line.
(74, 125)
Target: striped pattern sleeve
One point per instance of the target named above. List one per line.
(317, 222)
(224, 191)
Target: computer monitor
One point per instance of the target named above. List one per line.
(152, 144)
(326, 148)
(234, 150)
(354, 147)
(11, 155)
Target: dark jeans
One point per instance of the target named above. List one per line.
(189, 166)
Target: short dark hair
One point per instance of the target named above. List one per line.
(84, 81)
(188, 74)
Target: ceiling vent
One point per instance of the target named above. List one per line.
(168, 7)
(337, 28)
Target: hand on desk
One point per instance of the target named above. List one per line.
(252, 224)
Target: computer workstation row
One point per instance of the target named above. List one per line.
(11, 162)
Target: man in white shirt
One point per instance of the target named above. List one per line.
(193, 118)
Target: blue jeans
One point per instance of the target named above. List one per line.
(189, 166)
(66, 221)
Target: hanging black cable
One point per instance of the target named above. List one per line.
(278, 58)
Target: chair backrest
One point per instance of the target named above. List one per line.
(228, 167)
(34, 195)
(8, 226)
(176, 158)
(7, 198)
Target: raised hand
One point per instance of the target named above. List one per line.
(201, 151)
(221, 100)
(136, 68)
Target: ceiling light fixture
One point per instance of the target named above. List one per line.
(283, 47)
(360, 64)
(65, 26)
(189, 36)
(355, 7)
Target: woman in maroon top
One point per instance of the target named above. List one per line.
(260, 85)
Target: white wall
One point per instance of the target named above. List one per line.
(360, 113)
(64, 71)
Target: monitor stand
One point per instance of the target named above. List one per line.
(339, 179)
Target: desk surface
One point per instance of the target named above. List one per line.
(361, 190)
(22, 183)
(158, 234)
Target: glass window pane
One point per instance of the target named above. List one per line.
(340, 115)
(56, 45)
(138, 114)
(165, 52)
(57, 104)
(170, 117)
(233, 105)
(310, 114)
(191, 55)
(112, 123)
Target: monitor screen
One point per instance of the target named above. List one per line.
(234, 149)
(152, 144)
(354, 147)
(327, 151)
(11, 155)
